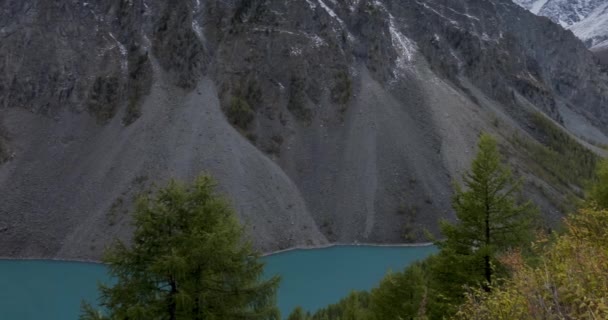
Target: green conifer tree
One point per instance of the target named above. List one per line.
(400, 295)
(187, 260)
(298, 314)
(491, 219)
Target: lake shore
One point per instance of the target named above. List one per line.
(265, 254)
(332, 245)
(53, 289)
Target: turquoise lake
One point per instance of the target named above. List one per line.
(52, 290)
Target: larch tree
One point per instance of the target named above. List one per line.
(188, 260)
(491, 217)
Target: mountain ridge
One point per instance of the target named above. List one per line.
(323, 121)
(587, 19)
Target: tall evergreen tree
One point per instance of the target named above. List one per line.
(188, 260)
(491, 218)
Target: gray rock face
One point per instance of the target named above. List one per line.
(71, 55)
(324, 121)
(603, 56)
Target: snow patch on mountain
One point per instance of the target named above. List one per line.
(593, 30)
(588, 19)
(601, 46)
(124, 63)
(404, 46)
(533, 5)
(564, 12)
(331, 12)
(537, 6)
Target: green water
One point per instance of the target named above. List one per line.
(40, 289)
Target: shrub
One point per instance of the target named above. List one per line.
(342, 89)
(4, 151)
(297, 100)
(140, 81)
(239, 113)
(103, 99)
(569, 282)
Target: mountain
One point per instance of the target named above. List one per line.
(593, 30)
(564, 12)
(323, 120)
(587, 19)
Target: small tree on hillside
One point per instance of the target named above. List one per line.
(490, 217)
(401, 295)
(188, 260)
(298, 314)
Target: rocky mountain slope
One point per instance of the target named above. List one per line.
(323, 120)
(587, 19)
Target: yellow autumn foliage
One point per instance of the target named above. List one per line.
(570, 280)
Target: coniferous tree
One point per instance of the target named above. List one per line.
(400, 295)
(298, 314)
(491, 219)
(355, 306)
(188, 260)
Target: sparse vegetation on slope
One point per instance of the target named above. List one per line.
(559, 276)
(239, 113)
(297, 100)
(558, 157)
(104, 98)
(4, 150)
(4, 156)
(241, 98)
(492, 219)
(341, 90)
(140, 80)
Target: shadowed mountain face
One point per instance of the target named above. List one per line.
(323, 121)
(603, 55)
